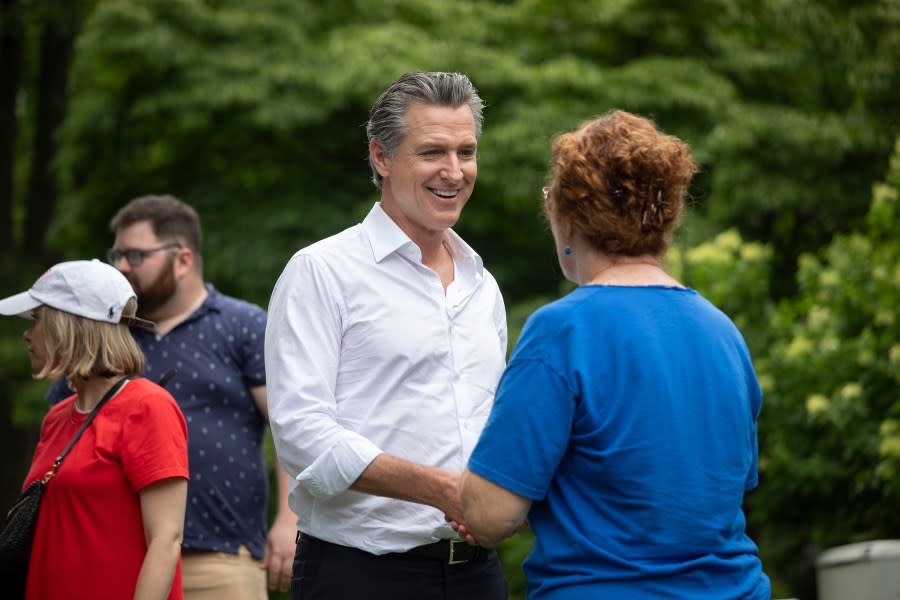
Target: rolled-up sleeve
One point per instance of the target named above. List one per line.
(302, 355)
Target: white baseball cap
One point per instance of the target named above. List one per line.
(86, 288)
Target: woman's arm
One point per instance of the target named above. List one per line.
(490, 513)
(162, 511)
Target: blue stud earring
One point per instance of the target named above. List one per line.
(567, 251)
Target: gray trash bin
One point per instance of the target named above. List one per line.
(863, 571)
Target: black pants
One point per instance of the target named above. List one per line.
(325, 571)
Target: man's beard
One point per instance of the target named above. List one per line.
(157, 292)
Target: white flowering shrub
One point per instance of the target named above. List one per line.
(830, 427)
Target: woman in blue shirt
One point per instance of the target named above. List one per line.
(624, 427)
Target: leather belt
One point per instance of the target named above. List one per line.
(453, 552)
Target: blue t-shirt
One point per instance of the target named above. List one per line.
(628, 416)
(217, 354)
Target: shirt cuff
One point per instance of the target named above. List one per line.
(336, 470)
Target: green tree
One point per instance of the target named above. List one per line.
(234, 104)
(36, 46)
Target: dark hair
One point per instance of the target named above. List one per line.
(387, 118)
(169, 217)
(621, 183)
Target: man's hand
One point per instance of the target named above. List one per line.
(278, 559)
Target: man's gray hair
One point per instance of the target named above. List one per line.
(387, 119)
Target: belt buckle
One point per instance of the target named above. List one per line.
(453, 560)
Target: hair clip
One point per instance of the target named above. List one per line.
(653, 211)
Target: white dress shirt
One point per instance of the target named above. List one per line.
(366, 353)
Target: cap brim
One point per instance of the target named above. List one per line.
(19, 305)
(139, 323)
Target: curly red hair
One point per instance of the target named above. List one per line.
(620, 182)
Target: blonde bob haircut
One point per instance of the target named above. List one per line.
(80, 347)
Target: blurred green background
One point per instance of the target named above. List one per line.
(253, 111)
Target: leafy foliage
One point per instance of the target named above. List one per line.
(831, 425)
(232, 104)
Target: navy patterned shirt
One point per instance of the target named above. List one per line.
(217, 354)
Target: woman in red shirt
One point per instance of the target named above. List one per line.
(111, 519)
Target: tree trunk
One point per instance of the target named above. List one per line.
(11, 44)
(56, 46)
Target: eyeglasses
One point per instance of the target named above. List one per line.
(134, 256)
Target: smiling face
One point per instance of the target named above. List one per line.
(431, 175)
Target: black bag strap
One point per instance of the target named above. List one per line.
(109, 394)
(167, 376)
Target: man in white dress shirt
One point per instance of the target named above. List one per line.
(384, 346)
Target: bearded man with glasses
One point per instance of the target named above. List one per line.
(214, 345)
(154, 286)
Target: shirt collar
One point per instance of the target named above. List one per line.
(213, 299)
(386, 237)
(212, 303)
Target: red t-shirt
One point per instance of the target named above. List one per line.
(89, 542)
